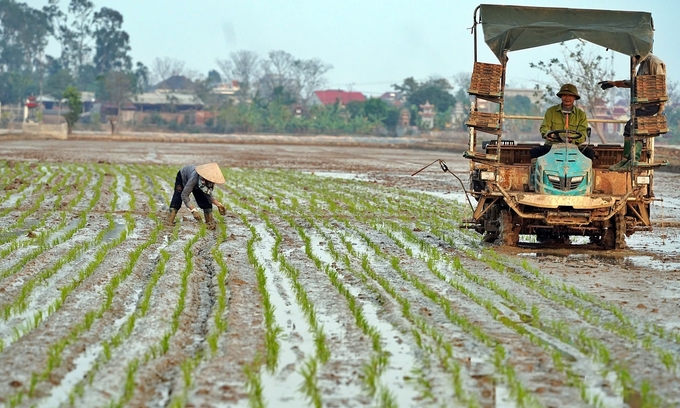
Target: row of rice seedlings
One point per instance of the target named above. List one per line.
(17, 196)
(21, 219)
(600, 351)
(272, 330)
(306, 304)
(309, 369)
(220, 325)
(444, 350)
(374, 368)
(37, 203)
(127, 327)
(517, 389)
(19, 304)
(432, 257)
(600, 348)
(51, 238)
(56, 349)
(623, 327)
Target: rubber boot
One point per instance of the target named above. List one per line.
(209, 220)
(171, 217)
(625, 164)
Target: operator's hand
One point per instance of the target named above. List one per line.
(605, 85)
(222, 209)
(196, 215)
(552, 138)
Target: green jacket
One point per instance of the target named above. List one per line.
(554, 119)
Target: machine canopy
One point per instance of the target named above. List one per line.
(515, 28)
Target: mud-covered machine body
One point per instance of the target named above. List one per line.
(562, 193)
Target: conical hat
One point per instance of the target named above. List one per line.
(211, 172)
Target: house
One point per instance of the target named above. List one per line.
(227, 88)
(176, 83)
(330, 97)
(395, 99)
(166, 102)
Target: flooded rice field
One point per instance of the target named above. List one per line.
(336, 279)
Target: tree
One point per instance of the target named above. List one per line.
(277, 73)
(522, 106)
(434, 90)
(24, 33)
(112, 43)
(166, 67)
(213, 78)
(58, 83)
(15, 86)
(141, 78)
(243, 66)
(581, 67)
(117, 88)
(75, 35)
(75, 106)
(311, 76)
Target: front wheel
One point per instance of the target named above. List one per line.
(615, 235)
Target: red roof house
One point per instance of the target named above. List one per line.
(330, 97)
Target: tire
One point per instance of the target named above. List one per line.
(509, 230)
(614, 237)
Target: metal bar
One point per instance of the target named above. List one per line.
(541, 118)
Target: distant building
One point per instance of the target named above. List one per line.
(330, 97)
(427, 115)
(176, 83)
(395, 99)
(167, 101)
(227, 88)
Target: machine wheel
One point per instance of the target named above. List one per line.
(509, 230)
(491, 227)
(615, 236)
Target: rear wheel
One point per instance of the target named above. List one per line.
(509, 229)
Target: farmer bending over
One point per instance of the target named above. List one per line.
(199, 180)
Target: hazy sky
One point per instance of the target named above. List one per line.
(371, 44)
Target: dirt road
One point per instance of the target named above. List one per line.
(343, 283)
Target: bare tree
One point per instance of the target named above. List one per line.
(311, 76)
(166, 67)
(462, 80)
(243, 66)
(583, 68)
(277, 72)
